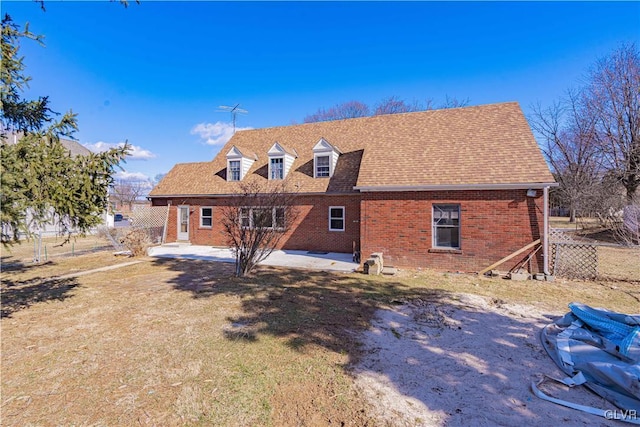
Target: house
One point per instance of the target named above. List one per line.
(453, 189)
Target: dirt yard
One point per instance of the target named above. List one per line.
(176, 342)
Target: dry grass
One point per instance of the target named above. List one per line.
(24, 252)
(174, 342)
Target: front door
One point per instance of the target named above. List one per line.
(183, 223)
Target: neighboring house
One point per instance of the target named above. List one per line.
(454, 189)
(75, 149)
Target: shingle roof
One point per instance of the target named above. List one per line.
(481, 145)
(74, 148)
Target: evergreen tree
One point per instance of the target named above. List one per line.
(40, 182)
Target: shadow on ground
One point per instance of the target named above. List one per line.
(304, 306)
(20, 294)
(330, 310)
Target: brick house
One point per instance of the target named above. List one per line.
(455, 189)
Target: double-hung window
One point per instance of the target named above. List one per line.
(277, 168)
(206, 217)
(336, 218)
(322, 166)
(446, 226)
(245, 217)
(234, 170)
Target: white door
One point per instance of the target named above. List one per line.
(183, 223)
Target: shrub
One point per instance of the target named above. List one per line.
(137, 241)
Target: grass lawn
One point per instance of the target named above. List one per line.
(52, 248)
(177, 342)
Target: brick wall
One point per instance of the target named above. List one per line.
(493, 224)
(309, 232)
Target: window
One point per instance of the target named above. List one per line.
(234, 170)
(262, 217)
(446, 226)
(336, 218)
(277, 168)
(322, 166)
(279, 217)
(206, 217)
(245, 217)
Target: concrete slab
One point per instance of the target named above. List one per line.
(331, 261)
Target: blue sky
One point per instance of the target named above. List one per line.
(155, 73)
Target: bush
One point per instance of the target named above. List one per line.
(137, 241)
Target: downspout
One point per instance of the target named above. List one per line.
(166, 223)
(545, 232)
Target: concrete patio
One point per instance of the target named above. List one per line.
(330, 261)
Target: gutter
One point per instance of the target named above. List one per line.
(459, 187)
(209, 196)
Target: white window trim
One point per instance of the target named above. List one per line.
(201, 216)
(344, 218)
(283, 166)
(433, 227)
(273, 218)
(315, 165)
(229, 173)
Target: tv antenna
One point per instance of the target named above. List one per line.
(234, 111)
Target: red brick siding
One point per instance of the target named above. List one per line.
(493, 224)
(309, 232)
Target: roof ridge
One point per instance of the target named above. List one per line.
(465, 107)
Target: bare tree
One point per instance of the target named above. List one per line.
(390, 105)
(395, 105)
(611, 100)
(346, 110)
(125, 192)
(255, 222)
(568, 143)
(449, 102)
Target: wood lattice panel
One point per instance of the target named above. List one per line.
(571, 258)
(152, 219)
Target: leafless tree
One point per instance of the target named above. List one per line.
(611, 100)
(346, 110)
(255, 222)
(568, 142)
(390, 105)
(125, 192)
(449, 102)
(395, 105)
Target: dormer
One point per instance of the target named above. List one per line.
(280, 160)
(325, 158)
(239, 162)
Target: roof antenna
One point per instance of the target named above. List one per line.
(234, 111)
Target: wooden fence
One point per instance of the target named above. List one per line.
(571, 258)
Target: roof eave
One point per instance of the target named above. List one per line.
(457, 187)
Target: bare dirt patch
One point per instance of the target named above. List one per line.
(464, 361)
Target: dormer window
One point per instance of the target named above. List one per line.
(234, 170)
(276, 166)
(280, 160)
(322, 166)
(325, 158)
(239, 161)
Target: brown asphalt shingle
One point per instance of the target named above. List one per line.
(489, 144)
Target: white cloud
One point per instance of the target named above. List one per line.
(131, 176)
(215, 133)
(136, 152)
